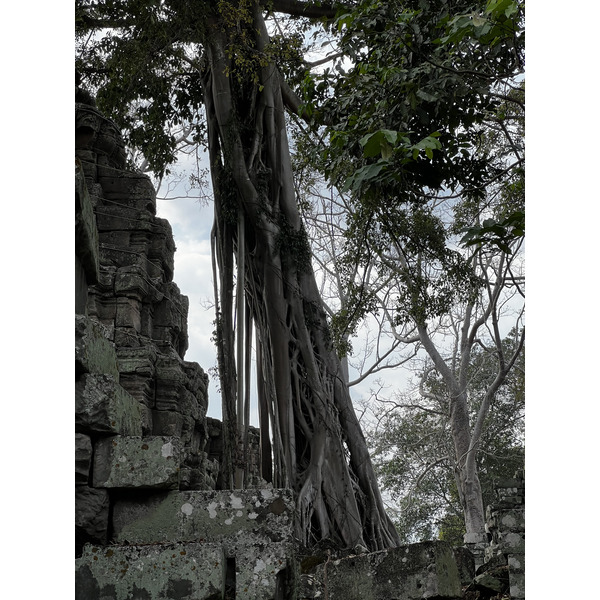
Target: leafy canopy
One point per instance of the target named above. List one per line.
(407, 113)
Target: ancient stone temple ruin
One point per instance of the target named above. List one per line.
(152, 520)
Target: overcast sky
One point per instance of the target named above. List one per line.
(191, 221)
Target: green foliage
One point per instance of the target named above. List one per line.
(499, 233)
(417, 113)
(419, 67)
(140, 74)
(503, 142)
(413, 448)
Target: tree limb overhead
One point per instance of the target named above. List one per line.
(312, 10)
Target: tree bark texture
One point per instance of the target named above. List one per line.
(465, 446)
(318, 448)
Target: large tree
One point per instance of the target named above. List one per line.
(398, 122)
(413, 448)
(424, 131)
(213, 65)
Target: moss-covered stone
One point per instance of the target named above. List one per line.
(413, 572)
(266, 515)
(173, 571)
(103, 406)
(91, 514)
(137, 462)
(94, 353)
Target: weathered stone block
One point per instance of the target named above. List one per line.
(128, 337)
(115, 217)
(170, 382)
(102, 307)
(189, 405)
(83, 458)
(494, 581)
(166, 422)
(103, 406)
(88, 165)
(517, 586)
(266, 515)
(91, 513)
(414, 572)
(465, 563)
(146, 420)
(131, 189)
(197, 381)
(155, 519)
(174, 572)
(173, 310)
(113, 253)
(162, 247)
(107, 139)
(137, 462)
(94, 353)
(513, 520)
(129, 314)
(512, 542)
(137, 368)
(259, 569)
(188, 427)
(132, 282)
(516, 563)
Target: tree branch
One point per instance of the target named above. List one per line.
(293, 102)
(90, 22)
(297, 8)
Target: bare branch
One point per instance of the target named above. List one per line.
(318, 63)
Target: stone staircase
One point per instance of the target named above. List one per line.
(194, 545)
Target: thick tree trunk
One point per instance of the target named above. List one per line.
(318, 447)
(466, 465)
(467, 479)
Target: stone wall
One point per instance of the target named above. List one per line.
(140, 407)
(502, 572)
(506, 526)
(150, 519)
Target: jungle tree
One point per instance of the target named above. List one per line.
(398, 125)
(425, 135)
(157, 64)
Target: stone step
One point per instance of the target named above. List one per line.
(173, 571)
(413, 572)
(137, 462)
(264, 515)
(180, 571)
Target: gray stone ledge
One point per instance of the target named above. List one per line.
(261, 515)
(137, 462)
(413, 572)
(173, 571)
